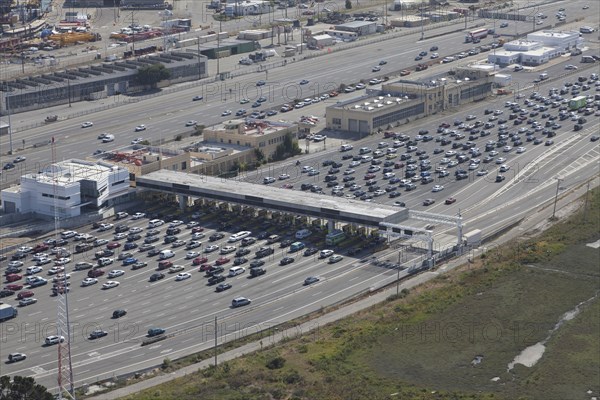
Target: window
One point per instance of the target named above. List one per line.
(336, 121)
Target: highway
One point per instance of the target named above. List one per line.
(187, 309)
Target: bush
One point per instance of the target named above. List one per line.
(276, 363)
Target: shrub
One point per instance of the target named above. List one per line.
(276, 363)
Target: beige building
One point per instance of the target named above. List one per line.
(262, 135)
(401, 101)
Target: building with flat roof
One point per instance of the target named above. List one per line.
(539, 48)
(254, 134)
(71, 187)
(404, 100)
(361, 28)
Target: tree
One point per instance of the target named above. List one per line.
(348, 4)
(150, 75)
(22, 388)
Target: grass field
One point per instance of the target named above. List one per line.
(447, 339)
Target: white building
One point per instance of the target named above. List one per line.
(247, 7)
(539, 48)
(71, 186)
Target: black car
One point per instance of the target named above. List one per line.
(254, 272)
(173, 231)
(286, 260)
(214, 271)
(223, 287)
(157, 276)
(216, 236)
(98, 334)
(170, 239)
(256, 264)
(285, 243)
(216, 279)
(240, 261)
(153, 252)
(6, 293)
(242, 252)
(264, 251)
(121, 228)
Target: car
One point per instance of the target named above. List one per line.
(156, 276)
(130, 261)
(335, 258)
(570, 67)
(138, 215)
(15, 357)
(140, 128)
(226, 113)
(97, 334)
(87, 124)
(428, 202)
(222, 260)
(304, 82)
(27, 301)
(19, 159)
(35, 270)
(183, 276)
(115, 273)
(155, 332)
(260, 83)
(376, 68)
(437, 188)
(450, 200)
(110, 285)
(549, 142)
(240, 301)
(139, 264)
(482, 172)
(8, 166)
(192, 254)
(286, 260)
(222, 287)
(310, 280)
(197, 98)
(53, 339)
(382, 62)
(211, 248)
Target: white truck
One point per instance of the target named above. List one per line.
(7, 312)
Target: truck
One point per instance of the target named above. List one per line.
(476, 35)
(502, 79)
(7, 312)
(472, 238)
(577, 102)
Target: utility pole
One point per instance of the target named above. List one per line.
(132, 36)
(215, 341)
(558, 181)
(422, 24)
(218, 52)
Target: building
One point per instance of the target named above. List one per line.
(401, 101)
(320, 41)
(539, 48)
(71, 187)
(247, 7)
(262, 135)
(361, 28)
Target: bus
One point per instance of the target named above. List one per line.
(334, 238)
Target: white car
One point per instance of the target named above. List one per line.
(191, 254)
(284, 176)
(39, 256)
(55, 270)
(105, 227)
(228, 249)
(319, 138)
(15, 264)
(110, 285)
(138, 215)
(140, 128)
(34, 270)
(482, 172)
(198, 235)
(194, 243)
(191, 122)
(135, 229)
(175, 223)
(115, 273)
(437, 188)
(183, 276)
(87, 124)
(62, 261)
(61, 277)
(211, 248)
(504, 168)
(226, 113)
(521, 150)
(176, 268)
(120, 235)
(326, 253)
(137, 140)
(570, 66)
(89, 281)
(43, 261)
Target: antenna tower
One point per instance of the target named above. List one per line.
(65, 369)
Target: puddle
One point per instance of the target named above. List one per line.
(532, 354)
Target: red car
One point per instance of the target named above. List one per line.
(199, 260)
(13, 277)
(24, 294)
(204, 267)
(450, 200)
(370, 176)
(14, 287)
(94, 273)
(164, 265)
(113, 245)
(197, 229)
(222, 260)
(40, 248)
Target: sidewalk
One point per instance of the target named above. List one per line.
(539, 218)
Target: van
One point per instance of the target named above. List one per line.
(234, 271)
(346, 147)
(238, 236)
(164, 254)
(155, 223)
(303, 234)
(588, 59)
(543, 76)
(296, 246)
(240, 301)
(364, 150)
